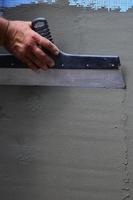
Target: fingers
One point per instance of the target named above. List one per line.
(33, 61)
(30, 64)
(41, 59)
(50, 46)
(35, 58)
(34, 64)
(46, 44)
(38, 56)
(25, 44)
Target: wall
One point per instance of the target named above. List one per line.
(70, 143)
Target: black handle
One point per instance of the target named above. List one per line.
(40, 25)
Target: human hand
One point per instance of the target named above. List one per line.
(25, 43)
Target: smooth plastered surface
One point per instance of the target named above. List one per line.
(70, 143)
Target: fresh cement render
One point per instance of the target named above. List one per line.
(70, 143)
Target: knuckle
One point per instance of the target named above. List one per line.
(28, 45)
(21, 51)
(36, 50)
(48, 43)
(39, 52)
(45, 56)
(35, 36)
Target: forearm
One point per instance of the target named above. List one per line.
(3, 29)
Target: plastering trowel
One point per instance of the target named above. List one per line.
(69, 70)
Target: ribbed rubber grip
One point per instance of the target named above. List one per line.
(40, 25)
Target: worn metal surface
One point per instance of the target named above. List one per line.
(56, 77)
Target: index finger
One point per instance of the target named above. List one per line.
(47, 44)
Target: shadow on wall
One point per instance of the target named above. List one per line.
(121, 5)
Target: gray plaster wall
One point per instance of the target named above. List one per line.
(70, 143)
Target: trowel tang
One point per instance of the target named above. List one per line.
(67, 61)
(75, 61)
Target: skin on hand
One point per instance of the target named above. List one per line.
(25, 43)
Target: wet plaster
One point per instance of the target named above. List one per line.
(61, 143)
(70, 143)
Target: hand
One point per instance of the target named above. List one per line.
(22, 41)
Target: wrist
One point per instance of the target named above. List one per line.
(4, 24)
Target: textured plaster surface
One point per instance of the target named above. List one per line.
(70, 143)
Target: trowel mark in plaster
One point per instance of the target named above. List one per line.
(93, 4)
(126, 176)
